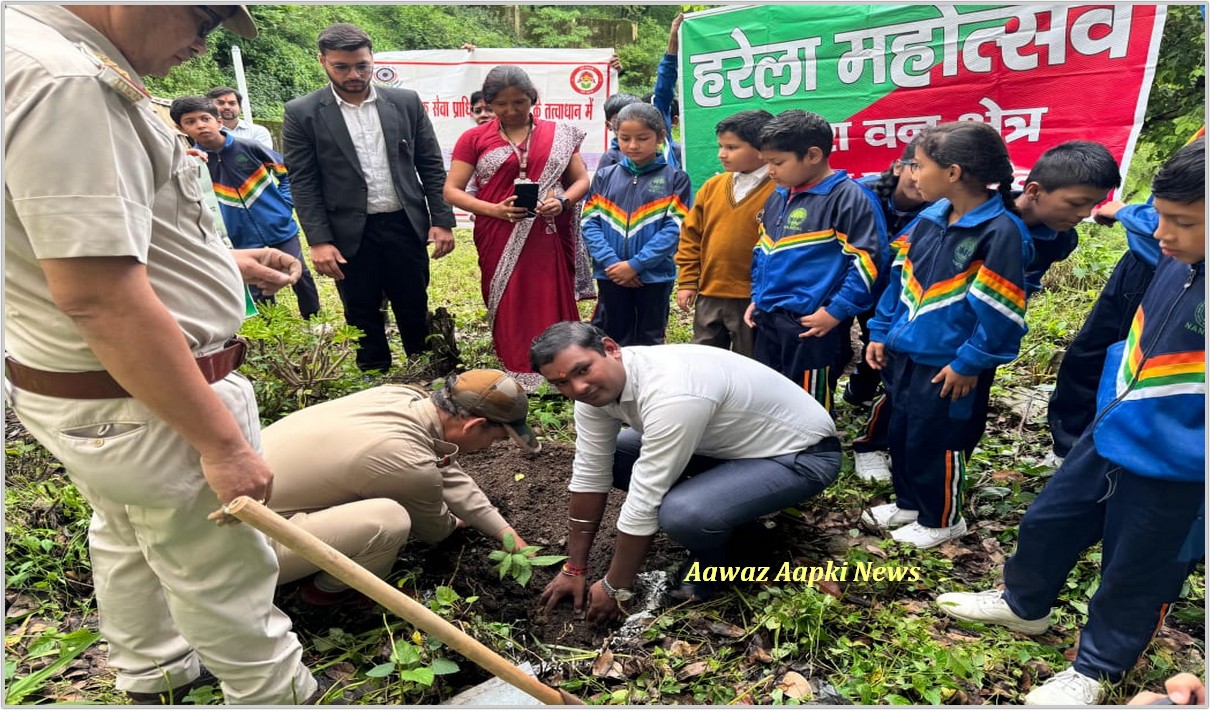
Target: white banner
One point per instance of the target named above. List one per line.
(572, 87)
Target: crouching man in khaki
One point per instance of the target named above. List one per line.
(364, 471)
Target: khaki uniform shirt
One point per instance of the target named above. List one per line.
(92, 171)
(384, 442)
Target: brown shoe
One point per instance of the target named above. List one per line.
(172, 697)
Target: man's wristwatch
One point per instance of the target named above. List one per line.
(616, 594)
(563, 203)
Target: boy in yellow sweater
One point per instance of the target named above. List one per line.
(716, 249)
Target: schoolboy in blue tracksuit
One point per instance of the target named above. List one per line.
(1063, 187)
(631, 225)
(257, 209)
(1135, 480)
(1072, 404)
(820, 246)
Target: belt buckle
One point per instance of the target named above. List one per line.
(240, 346)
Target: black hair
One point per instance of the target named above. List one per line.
(746, 125)
(615, 103)
(886, 185)
(797, 131)
(476, 97)
(1183, 177)
(505, 76)
(224, 91)
(1075, 163)
(190, 104)
(674, 105)
(645, 114)
(979, 150)
(563, 335)
(343, 37)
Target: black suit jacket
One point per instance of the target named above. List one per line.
(326, 176)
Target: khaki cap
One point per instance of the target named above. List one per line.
(494, 396)
(241, 23)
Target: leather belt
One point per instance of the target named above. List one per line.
(828, 444)
(100, 385)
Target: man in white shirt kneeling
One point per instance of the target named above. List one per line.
(715, 440)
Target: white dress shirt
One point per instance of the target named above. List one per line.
(743, 183)
(366, 130)
(688, 399)
(252, 132)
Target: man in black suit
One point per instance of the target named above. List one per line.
(367, 176)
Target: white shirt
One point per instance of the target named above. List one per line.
(253, 132)
(688, 399)
(743, 183)
(366, 130)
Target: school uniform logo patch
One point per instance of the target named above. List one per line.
(796, 219)
(1199, 324)
(657, 186)
(963, 251)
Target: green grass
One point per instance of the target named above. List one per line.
(886, 646)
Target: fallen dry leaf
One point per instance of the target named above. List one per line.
(830, 587)
(795, 686)
(679, 648)
(875, 550)
(725, 629)
(1007, 476)
(757, 651)
(689, 671)
(605, 667)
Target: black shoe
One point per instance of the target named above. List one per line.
(849, 396)
(684, 591)
(172, 697)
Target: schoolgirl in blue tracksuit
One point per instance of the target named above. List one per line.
(954, 310)
(631, 225)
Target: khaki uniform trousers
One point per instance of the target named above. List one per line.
(172, 588)
(720, 322)
(370, 532)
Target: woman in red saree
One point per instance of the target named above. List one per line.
(527, 261)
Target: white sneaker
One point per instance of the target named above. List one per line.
(989, 606)
(887, 515)
(924, 537)
(1068, 688)
(873, 466)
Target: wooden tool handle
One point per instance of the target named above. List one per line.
(337, 564)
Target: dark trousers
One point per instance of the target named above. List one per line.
(714, 496)
(931, 438)
(864, 381)
(633, 316)
(305, 291)
(1143, 524)
(806, 361)
(392, 262)
(1073, 404)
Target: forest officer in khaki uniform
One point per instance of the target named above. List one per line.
(364, 471)
(120, 300)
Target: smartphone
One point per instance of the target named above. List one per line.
(527, 195)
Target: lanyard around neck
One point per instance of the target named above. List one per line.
(523, 151)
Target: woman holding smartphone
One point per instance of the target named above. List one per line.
(525, 234)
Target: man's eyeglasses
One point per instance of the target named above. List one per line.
(477, 110)
(912, 166)
(212, 22)
(360, 68)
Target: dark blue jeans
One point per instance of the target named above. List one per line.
(713, 496)
(1144, 525)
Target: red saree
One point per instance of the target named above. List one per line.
(527, 269)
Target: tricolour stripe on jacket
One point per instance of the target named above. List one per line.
(1161, 375)
(250, 190)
